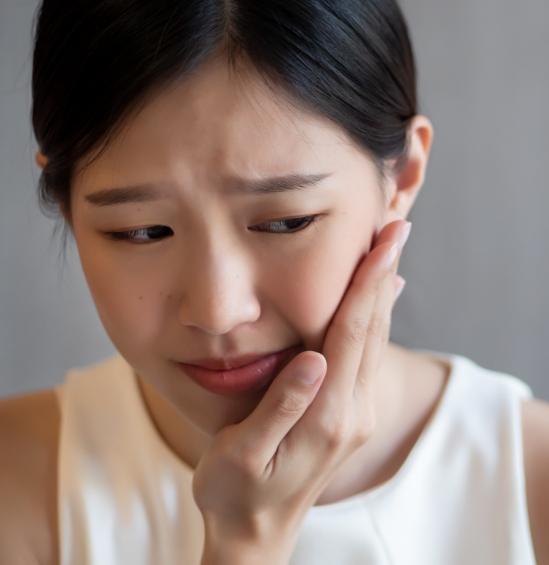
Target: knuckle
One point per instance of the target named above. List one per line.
(356, 331)
(387, 332)
(334, 433)
(245, 461)
(290, 404)
(364, 431)
(249, 467)
(237, 456)
(378, 327)
(363, 379)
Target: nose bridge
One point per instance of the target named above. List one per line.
(217, 290)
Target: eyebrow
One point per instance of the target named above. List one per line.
(147, 192)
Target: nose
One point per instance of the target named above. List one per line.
(218, 292)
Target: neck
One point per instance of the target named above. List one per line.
(188, 442)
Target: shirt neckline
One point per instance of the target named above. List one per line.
(455, 361)
(344, 504)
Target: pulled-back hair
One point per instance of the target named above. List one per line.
(95, 62)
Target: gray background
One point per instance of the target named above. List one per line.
(477, 260)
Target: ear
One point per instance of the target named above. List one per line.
(403, 186)
(41, 159)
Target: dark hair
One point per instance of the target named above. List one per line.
(97, 61)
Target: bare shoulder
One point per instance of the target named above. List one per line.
(535, 430)
(29, 432)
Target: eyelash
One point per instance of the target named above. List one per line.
(129, 235)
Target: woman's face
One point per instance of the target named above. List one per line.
(206, 284)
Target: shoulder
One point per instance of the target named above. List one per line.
(535, 430)
(29, 431)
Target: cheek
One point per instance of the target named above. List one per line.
(310, 289)
(129, 307)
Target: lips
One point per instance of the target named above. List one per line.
(229, 363)
(249, 377)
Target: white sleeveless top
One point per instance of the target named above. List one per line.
(125, 498)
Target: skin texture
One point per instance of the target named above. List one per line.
(156, 311)
(214, 288)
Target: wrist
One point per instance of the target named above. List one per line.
(223, 553)
(224, 547)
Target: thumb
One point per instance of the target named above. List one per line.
(286, 400)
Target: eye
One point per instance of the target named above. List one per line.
(297, 225)
(130, 235)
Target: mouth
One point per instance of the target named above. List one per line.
(229, 363)
(253, 376)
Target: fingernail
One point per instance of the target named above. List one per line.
(405, 235)
(401, 283)
(308, 378)
(308, 375)
(390, 256)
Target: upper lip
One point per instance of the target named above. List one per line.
(228, 363)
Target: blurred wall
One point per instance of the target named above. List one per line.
(476, 264)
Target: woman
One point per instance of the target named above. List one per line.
(237, 177)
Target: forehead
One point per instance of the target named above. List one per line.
(222, 122)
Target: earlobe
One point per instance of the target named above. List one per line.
(41, 159)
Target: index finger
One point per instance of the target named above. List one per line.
(344, 342)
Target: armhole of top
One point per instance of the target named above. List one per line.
(523, 394)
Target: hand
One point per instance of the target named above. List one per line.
(259, 477)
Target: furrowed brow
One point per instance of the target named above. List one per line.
(125, 195)
(270, 185)
(150, 192)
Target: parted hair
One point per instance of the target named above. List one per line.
(95, 62)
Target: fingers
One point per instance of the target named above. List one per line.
(352, 324)
(374, 346)
(281, 407)
(389, 232)
(400, 284)
(360, 318)
(379, 332)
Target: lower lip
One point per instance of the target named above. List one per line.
(252, 377)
